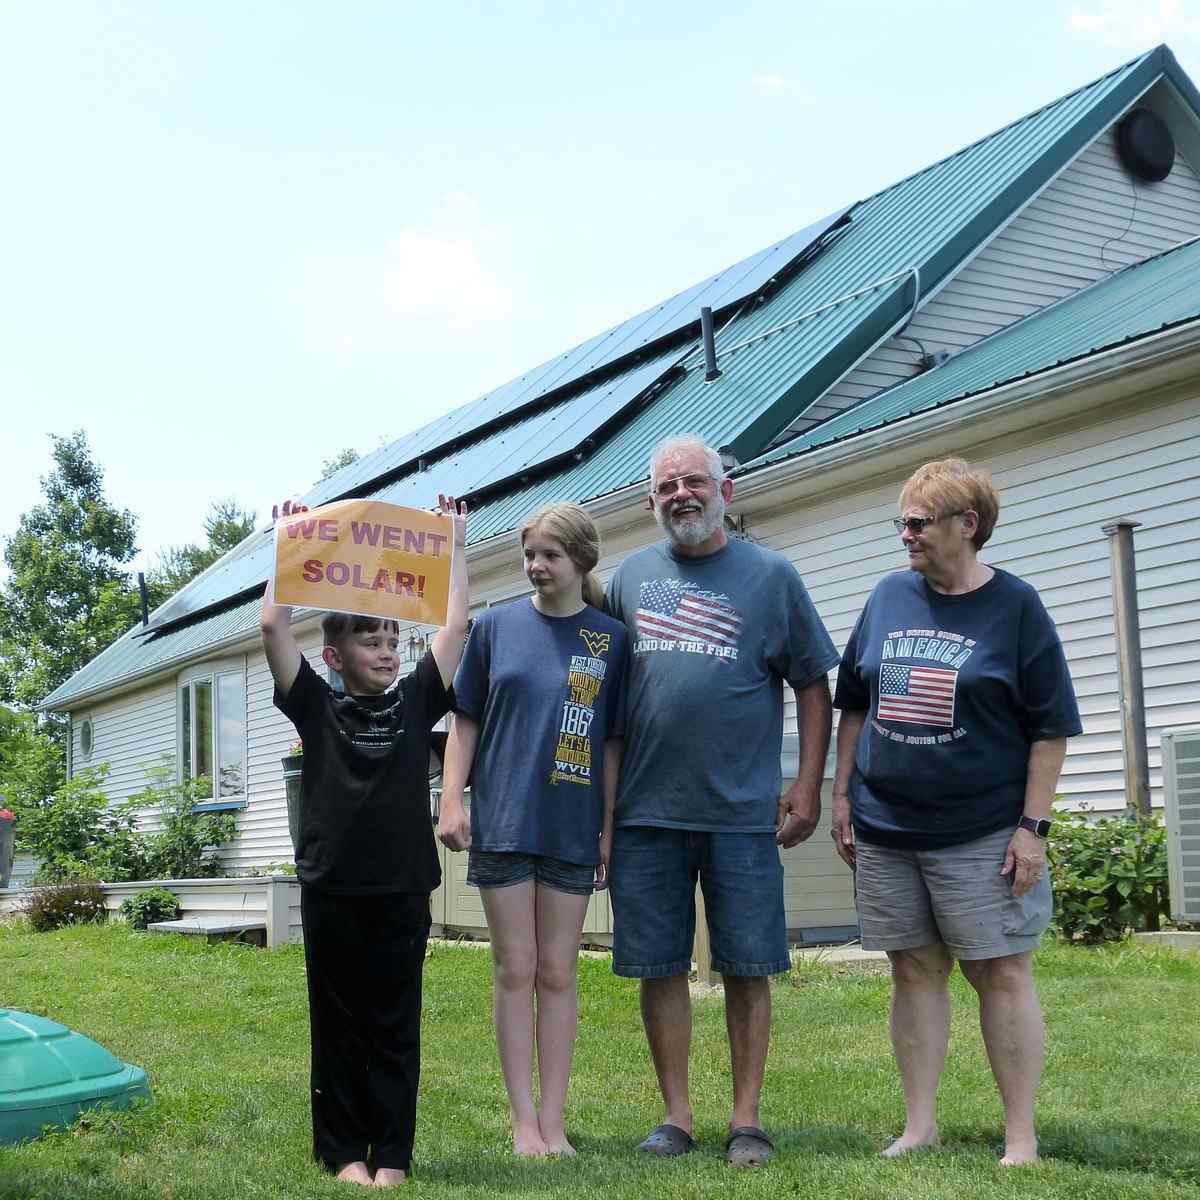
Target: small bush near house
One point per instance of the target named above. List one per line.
(150, 905)
(79, 834)
(275, 868)
(74, 903)
(1110, 875)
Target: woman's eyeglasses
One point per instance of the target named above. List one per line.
(918, 524)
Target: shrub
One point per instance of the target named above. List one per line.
(73, 903)
(1110, 874)
(78, 834)
(185, 845)
(150, 905)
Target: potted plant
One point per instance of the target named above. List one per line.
(7, 826)
(293, 765)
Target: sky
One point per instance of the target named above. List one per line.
(237, 239)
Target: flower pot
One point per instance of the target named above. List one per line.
(293, 765)
(7, 833)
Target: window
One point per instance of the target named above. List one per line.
(87, 738)
(212, 736)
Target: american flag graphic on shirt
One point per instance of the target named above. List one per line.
(671, 608)
(920, 695)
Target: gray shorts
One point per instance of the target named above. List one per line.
(912, 898)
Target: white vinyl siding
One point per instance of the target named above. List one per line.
(1054, 498)
(1081, 228)
(262, 826)
(130, 733)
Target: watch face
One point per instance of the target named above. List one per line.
(1039, 827)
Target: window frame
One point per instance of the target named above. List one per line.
(185, 684)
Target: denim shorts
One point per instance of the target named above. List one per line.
(498, 869)
(653, 888)
(912, 898)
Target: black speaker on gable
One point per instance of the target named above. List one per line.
(1145, 145)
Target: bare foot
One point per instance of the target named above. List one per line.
(355, 1172)
(389, 1177)
(528, 1142)
(1018, 1153)
(907, 1142)
(559, 1145)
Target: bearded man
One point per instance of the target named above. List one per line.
(717, 627)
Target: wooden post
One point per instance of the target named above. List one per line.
(702, 949)
(1129, 665)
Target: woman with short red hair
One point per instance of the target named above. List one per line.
(956, 706)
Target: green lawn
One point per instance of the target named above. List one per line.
(222, 1033)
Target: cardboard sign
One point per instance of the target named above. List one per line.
(367, 558)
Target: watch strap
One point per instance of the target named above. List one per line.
(1040, 827)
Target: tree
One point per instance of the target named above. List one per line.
(66, 597)
(226, 525)
(31, 765)
(338, 461)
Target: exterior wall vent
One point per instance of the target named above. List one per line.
(1181, 801)
(1145, 145)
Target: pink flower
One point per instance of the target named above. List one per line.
(297, 748)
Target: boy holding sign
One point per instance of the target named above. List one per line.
(367, 862)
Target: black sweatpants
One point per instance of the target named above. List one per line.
(364, 956)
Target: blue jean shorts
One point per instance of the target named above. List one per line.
(497, 869)
(653, 888)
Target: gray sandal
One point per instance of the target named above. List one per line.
(667, 1141)
(748, 1147)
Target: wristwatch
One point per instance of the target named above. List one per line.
(1035, 825)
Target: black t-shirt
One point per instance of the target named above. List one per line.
(365, 823)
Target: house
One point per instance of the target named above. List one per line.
(1031, 302)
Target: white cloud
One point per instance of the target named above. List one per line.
(1124, 23)
(424, 280)
(768, 83)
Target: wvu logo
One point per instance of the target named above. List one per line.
(597, 643)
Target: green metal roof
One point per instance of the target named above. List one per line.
(834, 308)
(1138, 301)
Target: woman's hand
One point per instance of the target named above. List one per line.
(454, 825)
(843, 831)
(605, 855)
(1025, 859)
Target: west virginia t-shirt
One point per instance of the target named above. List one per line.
(547, 693)
(955, 689)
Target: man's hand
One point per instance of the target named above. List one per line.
(843, 830)
(1025, 859)
(454, 825)
(457, 512)
(799, 812)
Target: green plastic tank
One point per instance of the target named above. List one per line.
(49, 1075)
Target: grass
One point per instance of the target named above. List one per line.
(222, 1033)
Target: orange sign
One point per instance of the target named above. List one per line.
(367, 558)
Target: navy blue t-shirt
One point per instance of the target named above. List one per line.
(547, 693)
(955, 689)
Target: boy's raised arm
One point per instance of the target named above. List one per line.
(448, 642)
(283, 655)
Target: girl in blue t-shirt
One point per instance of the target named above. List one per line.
(538, 729)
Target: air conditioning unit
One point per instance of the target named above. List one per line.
(1181, 804)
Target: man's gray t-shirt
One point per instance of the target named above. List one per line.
(712, 642)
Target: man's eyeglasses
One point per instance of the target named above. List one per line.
(918, 524)
(694, 483)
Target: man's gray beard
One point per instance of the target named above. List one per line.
(693, 530)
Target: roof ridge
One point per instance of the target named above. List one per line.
(987, 137)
